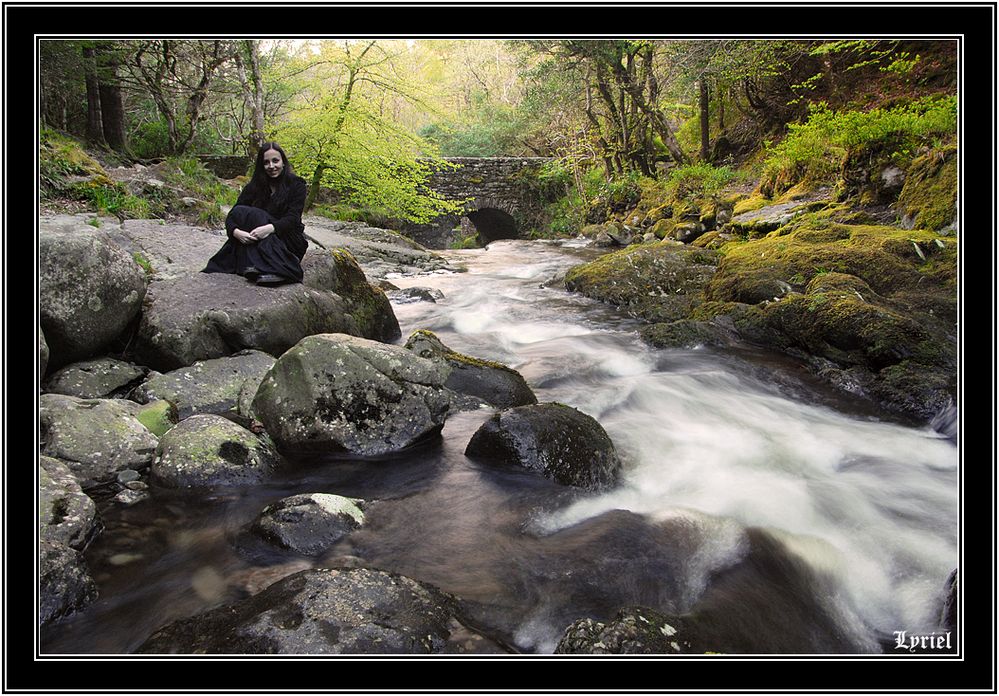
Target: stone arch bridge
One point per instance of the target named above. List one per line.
(502, 204)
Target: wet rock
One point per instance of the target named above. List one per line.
(635, 630)
(95, 437)
(308, 524)
(43, 354)
(492, 382)
(328, 611)
(381, 253)
(209, 386)
(348, 394)
(90, 290)
(687, 333)
(555, 440)
(65, 585)
(948, 617)
(416, 294)
(658, 283)
(95, 379)
(209, 450)
(65, 513)
(129, 497)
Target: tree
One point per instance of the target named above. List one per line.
(339, 140)
(178, 76)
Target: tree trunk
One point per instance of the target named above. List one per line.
(94, 132)
(705, 140)
(721, 106)
(113, 117)
(252, 84)
(317, 175)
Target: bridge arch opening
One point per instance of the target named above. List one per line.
(493, 224)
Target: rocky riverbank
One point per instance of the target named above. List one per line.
(869, 307)
(154, 376)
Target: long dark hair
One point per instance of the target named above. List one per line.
(259, 186)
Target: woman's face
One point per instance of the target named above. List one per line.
(273, 163)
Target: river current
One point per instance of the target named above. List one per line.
(751, 494)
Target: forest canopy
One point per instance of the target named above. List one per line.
(371, 120)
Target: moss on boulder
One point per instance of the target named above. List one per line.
(659, 283)
(929, 197)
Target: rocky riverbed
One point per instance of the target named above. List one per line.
(165, 389)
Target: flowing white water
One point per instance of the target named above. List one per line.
(779, 515)
(870, 504)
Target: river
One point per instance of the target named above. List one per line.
(751, 494)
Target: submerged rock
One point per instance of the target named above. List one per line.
(95, 437)
(335, 611)
(209, 450)
(555, 440)
(492, 382)
(343, 393)
(308, 524)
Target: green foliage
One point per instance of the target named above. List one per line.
(814, 151)
(470, 241)
(61, 157)
(697, 181)
(491, 130)
(144, 262)
(111, 198)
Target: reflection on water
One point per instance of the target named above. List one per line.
(751, 496)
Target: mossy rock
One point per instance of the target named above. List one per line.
(663, 228)
(929, 197)
(158, 417)
(685, 333)
(914, 389)
(886, 258)
(659, 283)
(492, 382)
(207, 450)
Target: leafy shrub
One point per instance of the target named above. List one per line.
(814, 151)
(697, 181)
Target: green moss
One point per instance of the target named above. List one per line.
(754, 202)
(884, 257)
(929, 196)
(158, 417)
(659, 282)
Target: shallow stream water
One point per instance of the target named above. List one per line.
(789, 517)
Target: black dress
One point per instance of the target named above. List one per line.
(279, 253)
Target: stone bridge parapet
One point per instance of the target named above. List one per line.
(501, 203)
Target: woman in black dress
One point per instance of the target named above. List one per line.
(266, 235)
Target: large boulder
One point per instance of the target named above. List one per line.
(90, 290)
(308, 524)
(212, 315)
(65, 584)
(65, 513)
(208, 450)
(344, 393)
(96, 438)
(492, 382)
(380, 252)
(95, 379)
(325, 611)
(556, 440)
(660, 282)
(223, 386)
